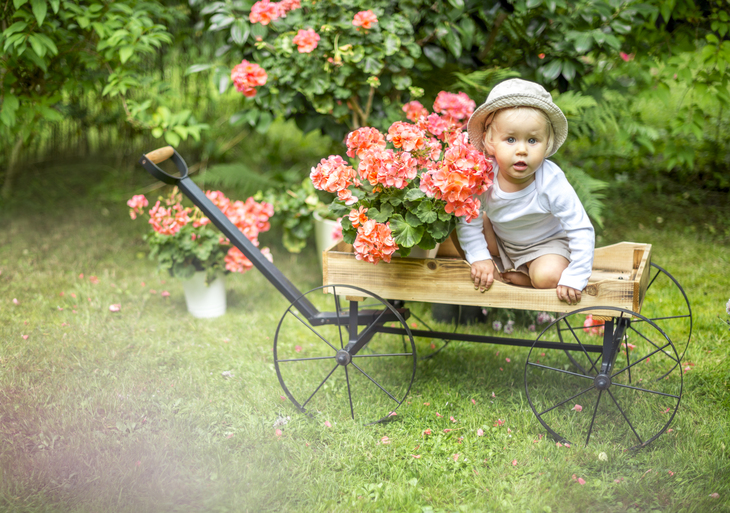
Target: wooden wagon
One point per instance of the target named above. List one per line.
(607, 369)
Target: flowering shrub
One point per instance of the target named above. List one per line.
(410, 194)
(183, 242)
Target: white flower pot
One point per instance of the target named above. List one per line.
(326, 233)
(205, 301)
(417, 252)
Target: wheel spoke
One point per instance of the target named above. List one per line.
(376, 383)
(379, 355)
(349, 393)
(313, 330)
(652, 343)
(568, 399)
(320, 385)
(625, 417)
(593, 419)
(654, 319)
(337, 311)
(652, 280)
(305, 359)
(593, 364)
(560, 370)
(628, 361)
(639, 360)
(645, 390)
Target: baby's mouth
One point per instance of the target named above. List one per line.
(520, 166)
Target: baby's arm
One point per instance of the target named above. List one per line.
(472, 241)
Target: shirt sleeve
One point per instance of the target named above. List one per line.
(472, 240)
(567, 208)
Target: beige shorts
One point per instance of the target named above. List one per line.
(513, 257)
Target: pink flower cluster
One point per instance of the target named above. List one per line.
(388, 168)
(136, 205)
(463, 174)
(406, 136)
(365, 19)
(334, 175)
(249, 216)
(247, 76)
(266, 11)
(374, 242)
(362, 140)
(454, 106)
(306, 40)
(168, 221)
(414, 110)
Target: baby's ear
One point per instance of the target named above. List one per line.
(488, 147)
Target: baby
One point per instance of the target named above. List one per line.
(537, 233)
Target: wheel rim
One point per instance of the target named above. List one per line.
(577, 405)
(319, 375)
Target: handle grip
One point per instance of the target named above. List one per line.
(149, 162)
(160, 154)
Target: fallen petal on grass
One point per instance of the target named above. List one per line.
(514, 463)
(417, 456)
(581, 481)
(577, 407)
(327, 423)
(385, 440)
(715, 495)
(480, 432)
(15, 301)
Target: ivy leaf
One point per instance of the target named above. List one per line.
(436, 55)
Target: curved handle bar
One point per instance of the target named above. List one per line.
(150, 160)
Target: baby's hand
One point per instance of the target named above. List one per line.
(483, 274)
(568, 294)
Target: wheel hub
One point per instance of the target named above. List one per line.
(343, 357)
(602, 381)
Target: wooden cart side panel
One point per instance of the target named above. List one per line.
(619, 257)
(448, 281)
(641, 281)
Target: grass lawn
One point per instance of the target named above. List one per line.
(150, 409)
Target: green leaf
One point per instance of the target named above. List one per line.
(38, 47)
(467, 27)
(83, 21)
(125, 53)
(172, 138)
(39, 10)
(405, 234)
(531, 4)
(18, 26)
(402, 82)
(391, 44)
(414, 194)
(436, 55)
(197, 68)
(239, 32)
(426, 213)
(19, 3)
(412, 219)
(453, 43)
(583, 42)
(457, 4)
(551, 70)
(568, 71)
(372, 65)
(441, 229)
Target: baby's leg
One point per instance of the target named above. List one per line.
(545, 271)
(515, 278)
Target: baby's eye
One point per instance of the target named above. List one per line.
(511, 139)
(532, 140)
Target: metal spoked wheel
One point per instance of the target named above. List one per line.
(340, 364)
(622, 384)
(666, 305)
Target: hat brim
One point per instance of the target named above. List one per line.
(475, 127)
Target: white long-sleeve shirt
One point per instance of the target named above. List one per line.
(546, 207)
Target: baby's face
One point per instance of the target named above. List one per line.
(519, 145)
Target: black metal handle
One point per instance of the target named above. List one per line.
(150, 160)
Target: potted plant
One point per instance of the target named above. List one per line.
(185, 245)
(411, 194)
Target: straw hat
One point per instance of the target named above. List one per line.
(517, 93)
